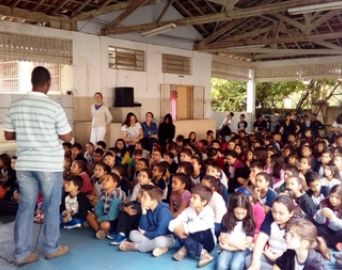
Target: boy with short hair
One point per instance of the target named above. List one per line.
(107, 208)
(152, 234)
(316, 191)
(75, 204)
(194, 227)
(265, 194)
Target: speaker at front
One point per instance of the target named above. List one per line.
(124, 97)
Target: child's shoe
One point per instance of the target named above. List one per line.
(112, 235)
(205, 258)
(118, 239)
(74, 226)
(180, 254)
(159, 251)
(101, 234)
(128, 246)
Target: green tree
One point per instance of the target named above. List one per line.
(228, 95)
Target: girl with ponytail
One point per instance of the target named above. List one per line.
(305, 250)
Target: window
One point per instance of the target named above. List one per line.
(176, 64)
(15, 76)
(127, 59)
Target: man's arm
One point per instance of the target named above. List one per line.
(65, 137)
(9, 135)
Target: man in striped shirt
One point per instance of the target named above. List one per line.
(38, 124)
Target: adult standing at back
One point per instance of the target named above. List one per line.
(101, 118)
(38, 124)
(166, 131)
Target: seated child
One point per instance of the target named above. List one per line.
(236, 234)
(329, 218)
(75, 205)
(316, 191)
(262, 188)
(194, 227)
(331, 176)
(294, 187)
(79, 168)
(301, 248)
(152, 234)
(180, 196)
(130, 212)
(216, 202)
(107, 208)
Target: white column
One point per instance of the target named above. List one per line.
(251, 93)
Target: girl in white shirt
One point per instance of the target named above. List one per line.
(237, 233)
(131, 130)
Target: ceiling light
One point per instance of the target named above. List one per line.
(315, 8)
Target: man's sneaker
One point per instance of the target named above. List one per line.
(101, 234)
(112, 235)
(75, 226)
(159, 251)
(118, 239)
(30, 259)
(180, 254)
(61, 251)
(205, 258)
(128, 246)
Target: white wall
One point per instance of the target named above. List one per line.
(90, 72)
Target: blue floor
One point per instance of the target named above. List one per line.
(88, 253)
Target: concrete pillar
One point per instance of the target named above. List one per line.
(251, 93)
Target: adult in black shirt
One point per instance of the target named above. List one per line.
(166, 131)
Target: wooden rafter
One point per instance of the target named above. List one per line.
(222, 16)
(60, 6)
(287, 51)
(133, 5)
(78, 10)
(290, 21)
(15, 3)
(324, 18)
(162, 13)
(280, 39)
(38, 5)
(251, 34)
(327, 44)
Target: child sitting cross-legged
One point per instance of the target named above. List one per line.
(75, 204)
(152, 234)
(194, 227)
(107, 208)
(237, 233)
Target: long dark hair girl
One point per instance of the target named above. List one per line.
(229, 220)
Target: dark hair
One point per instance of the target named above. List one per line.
(77, 146)
(77, 180)
(148, 172)
(150, 113)
(231, 153)
(137, 152)
(82, 165)
(98, 93)
(288, 202)
(104, 166)
(102, 144)
(188, 168)
(185, 179)
(169, 118)
(180, 138)
(170, 155)
(120, 169)
(229, 220)
(122, 151)
(186, 151)
(334, 171)
(257, 164)
(110, 154)
(311, 177)
(127, 120)
(267, 177)
(293, 169)
(40, 75)
(115, 177)
(67, 144)
(279, 162)
(145, 161)
(162, 167)
(6, 160)
(99, 151)
(203, 192)
(213, 181)
(326, 202)
(211, 152)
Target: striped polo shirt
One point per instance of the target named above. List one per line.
(37, 122)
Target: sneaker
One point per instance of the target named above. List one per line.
(159, 251)
(101, 234)
(118, 239)
(75, 226)
(30, 259)
(205, 258)
(112, 235)
(61, 251)
(180, 254)
(127, 246)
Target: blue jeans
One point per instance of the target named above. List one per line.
(30, 183)
(231, 260)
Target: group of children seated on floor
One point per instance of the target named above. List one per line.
(266, 201)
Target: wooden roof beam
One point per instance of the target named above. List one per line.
(324, 18)
(106, 9)
(133, 5)
(222, 16)
(279, 39)
(60, 6)
(162, 13)
(38, 5)
(78, 10)
(287, 51)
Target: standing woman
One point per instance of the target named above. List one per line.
(101, 117)
(150, 131)
(166, 131)
(132, 131)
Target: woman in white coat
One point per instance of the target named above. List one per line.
(101, 117)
